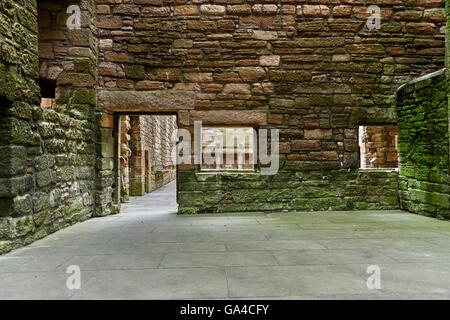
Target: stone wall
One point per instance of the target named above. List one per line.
(312, 70)
(47, 155)
(54, 41)
(423, 122)
(125, 153)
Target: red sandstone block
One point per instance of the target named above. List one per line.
(51, 34)
(264, 9)
(239, 88)
(187, 86)
(118, 57)
(75, 79)
(305, 145)
(185, 10)
(214, 10)
(345, 25)
(105, 44)
(109, 22)
(342, 11)
(276, 118)
(420, 28)
(408, 15)
(103, 9)
(265, 35)
(311, 122)
(324, 155)
(46, 51)
(361, 13)
(126, 9)
(269, 61)
(108, 69)
(155, 11)
(434, 15)
(202, 26)
(314, 11)
(229, 1)
(198, 77)
(211, 87)
(227, 77)
(365, 49)
(297, 157)
(125, 84)
(149, 85)
(304, 26)
(243, 9)
(230, 117)
(429, 3)
(220, 36)
(250, 74)
(288, 9)
(107, 120)
(318, 134)
(151, 2)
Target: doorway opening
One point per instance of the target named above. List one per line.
(145, 167)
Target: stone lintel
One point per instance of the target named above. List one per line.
(229, 117)
(146, 101)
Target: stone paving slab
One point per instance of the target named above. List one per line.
(148, 252)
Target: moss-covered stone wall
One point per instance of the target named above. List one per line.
(47, 156)
(423, 140)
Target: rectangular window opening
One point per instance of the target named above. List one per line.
(378, 146)
(48, 90)
(228, 149)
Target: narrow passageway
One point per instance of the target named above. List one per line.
(157, 203)
(149, 252)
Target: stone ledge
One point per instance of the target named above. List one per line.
(146, 101)
(423, 78)
(229, 117)
(378, 169)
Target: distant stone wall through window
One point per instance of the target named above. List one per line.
(229, 148)
(378, 146)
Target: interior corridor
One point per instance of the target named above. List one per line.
(149, 252)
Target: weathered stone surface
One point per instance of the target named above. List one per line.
(269, 61)
(229, 117)
(145, 100)
(423, 149)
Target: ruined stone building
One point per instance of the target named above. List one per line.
(84, 107)
(146, 144)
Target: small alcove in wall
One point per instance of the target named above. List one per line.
(53, 47)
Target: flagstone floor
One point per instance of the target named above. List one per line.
(149, 252)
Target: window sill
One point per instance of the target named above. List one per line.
(227, 172)
(239, 175)
(379, 169)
